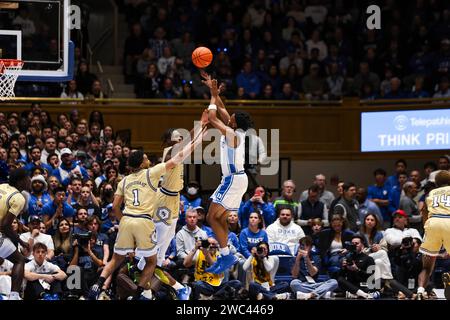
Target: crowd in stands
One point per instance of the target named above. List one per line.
(289, 49)
(304, 244)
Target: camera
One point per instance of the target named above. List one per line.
(259, 250)
(351, 248)
(82, 237)
(205, 244)
(407, 242)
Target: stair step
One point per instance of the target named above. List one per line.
(127, 88)
(124, 95)
(110, 69)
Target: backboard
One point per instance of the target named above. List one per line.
(37, 32)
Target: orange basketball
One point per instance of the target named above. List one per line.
(202, 57)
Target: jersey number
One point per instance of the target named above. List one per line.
(442, 199)
(136, 198)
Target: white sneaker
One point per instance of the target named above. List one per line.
(349, 295)
(329, 295)
(282, 296)
(302, 296)
(259, 296)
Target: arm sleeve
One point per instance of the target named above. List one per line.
(181, 251)
(269, 263)
(268, 213)
(243, 243)
(248, 263)
(271, 234)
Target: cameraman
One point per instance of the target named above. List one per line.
(204, 255)
(263, 267)
(85, 257)
(408, 262)
(354, 270)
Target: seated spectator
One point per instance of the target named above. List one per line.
(287, 93)
(201, 219)
(396, 92)
(370, 230)
(365, 206)
(166, 62)
(287, 198)
(38, 196)
(44, 279)
(158, 43)
(365, 76)
(110, 225)
(150, 84)
(348, 206)
(395, 235)
(314, 86)
(417, 91)
(284, 230)
(407, 262)
(268, 93)
(188, 235)
(253, 234)
(74, 191)
(50, 148)
(311, 208)
(96, 91)
(249, 81)
(69, 168)
(168, 90)
(80, 221)
(262, 267)
(84, 78)
(331, 243)
(257, 203)
(5, 277)
(315, 42)
(62, 240)
(444, 91)
(34, 236)
(325, 196)
(71, 91)
(101, 246)
(55, 210)
(233, 223)
(335, 82)
(305, 273)
(290, 58)
(316, 229)
(207, 284)
(135, 44)
(88, 201)
(356, 270)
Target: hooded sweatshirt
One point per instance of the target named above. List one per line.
(289, 234)
(185, 239)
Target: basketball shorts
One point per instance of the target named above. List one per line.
(136, 233)
(7, 248)
(230, 191)
(437, 235)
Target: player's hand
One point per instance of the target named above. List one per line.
(214, 88)
(222, 88)
(207, 78)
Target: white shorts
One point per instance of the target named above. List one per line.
(230, 191)
(7, 248)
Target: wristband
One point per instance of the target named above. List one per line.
(212, 107)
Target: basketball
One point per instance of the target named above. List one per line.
(202, 57)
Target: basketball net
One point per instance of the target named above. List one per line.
(8, 76)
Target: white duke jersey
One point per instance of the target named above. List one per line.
(232, 159)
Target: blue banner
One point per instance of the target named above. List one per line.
(405, 130)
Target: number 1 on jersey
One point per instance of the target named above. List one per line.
(136, 197)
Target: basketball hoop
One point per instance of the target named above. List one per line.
(8, 76)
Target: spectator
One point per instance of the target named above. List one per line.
(290, 27)
(74, 190)
(444, 91)
(370, 230)
(400, 167)
(96, 91)
(35, 236)
(268, 93)
(44, 279)
(316, 11)
(84, 78)
(166, 62)
(335, 82)
(315, 42)
(407, 262)
(348, 206)
(287, 93)
(291, 58)
(312, 208)
(168, 90)
(395, 92)
(50, 147)
(262, 267)
(415, 177)
(314, 85)
(257, 203)
(417, 91)
(248, 80)
(62, 240)
(88, 201)
(38, 196)
(53, 211)
(379, 194)
(101, 246)
(69, 168)
(158, 43)
(71, 91)
(365, 206)
(325, 196)
(207, 284)
(396, 192)
(201, 219)
(305, 272)
(409, 206)
(331, 243)
(355, 270)
(134, 46)
(395, 235)
(287, 198)
(253, 234)
(444, 162)
(5, 277)
(284, 230)
(188, 235)
(150, 84)
(233, 223)
(365, 76)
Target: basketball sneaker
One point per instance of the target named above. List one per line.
(446, 281)
(222, 264)
(183, 294)
(94, 292)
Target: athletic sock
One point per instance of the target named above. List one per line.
(421, 290)
(161, 276)
(14, 295)
(147, 294)
(224, 251)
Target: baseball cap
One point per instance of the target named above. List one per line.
(199, 208)
(81, 153)
(65, 151)
(399, 212)
(41, 179)
(34, 218)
